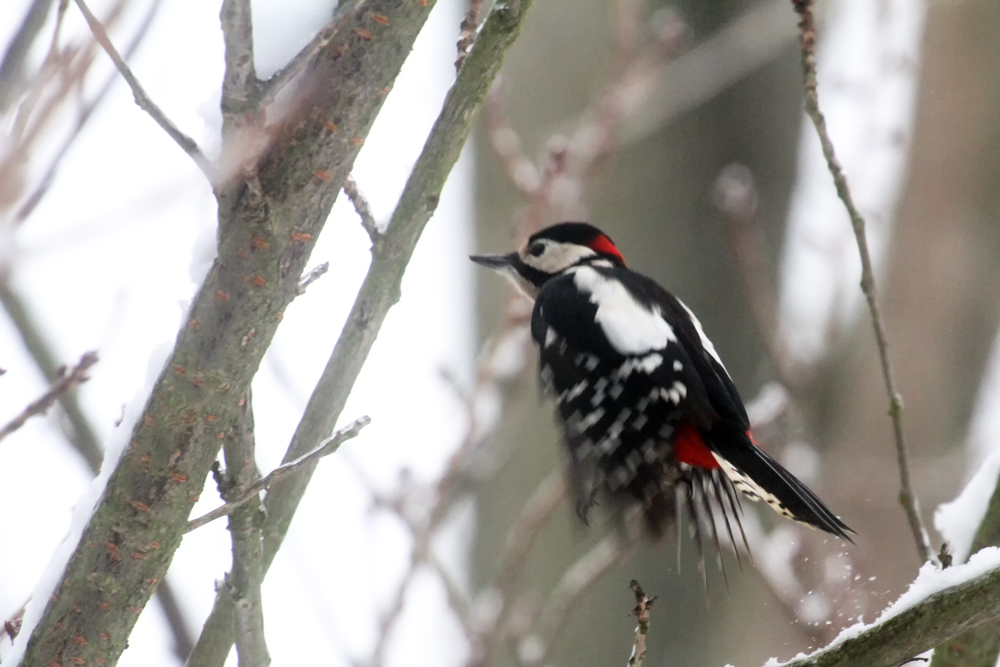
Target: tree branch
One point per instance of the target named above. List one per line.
(919, 628)
(313, 276)
(187, 144)
(70, 380)
(980, 646)
(266, 233)
(641, 613)
(269, 89)
(239, 83)
(907, 498)
(379, 292)
(325, 448)
(361, 206)
(12, 66)
(244, 580)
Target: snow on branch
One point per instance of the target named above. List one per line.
(938, 605)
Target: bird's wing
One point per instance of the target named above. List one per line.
(596, 327)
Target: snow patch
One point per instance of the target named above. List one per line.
(930, 580)
(958, 520)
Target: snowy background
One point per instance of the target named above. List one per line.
(106, 261)
(110, 258)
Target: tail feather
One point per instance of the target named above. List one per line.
(760, 477)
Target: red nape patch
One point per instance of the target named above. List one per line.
(603, 245)
(690, 448)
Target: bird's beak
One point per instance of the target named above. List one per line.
(495, 262)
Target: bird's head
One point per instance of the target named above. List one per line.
(551, 251)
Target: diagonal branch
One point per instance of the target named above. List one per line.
(921, 627)
(187, 144)
(362, 207)
(325, 448)
(907, 498)
(115, 557)
(379, 292)
(269, 89)
(49, 398)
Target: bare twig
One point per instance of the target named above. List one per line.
(313, 276)
(325, 448)
(12, 66)
(468, 31)
(908, 499)
(245, 578)
(269, 89)
(239, 83)
(362, 207)
(83, 115)
(187, 144)
(641, 613)
(48, 399)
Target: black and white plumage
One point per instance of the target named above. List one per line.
(649, 411)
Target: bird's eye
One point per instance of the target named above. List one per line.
(536, 249)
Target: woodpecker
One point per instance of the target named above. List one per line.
(649, 412)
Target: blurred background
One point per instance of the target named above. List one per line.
(441, 535)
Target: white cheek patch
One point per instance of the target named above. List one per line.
(557, 256)
(630, 327)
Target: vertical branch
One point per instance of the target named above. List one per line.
(908, 499)
(187, 144)
(245, 578)
(641, 613)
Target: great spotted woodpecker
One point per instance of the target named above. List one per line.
(650, 414)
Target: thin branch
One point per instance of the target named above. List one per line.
(12, 66)
(467, 28)
(75, 377)
(641, 613)
(83, 115)
(362, 207)
(269, 89)
(325, 448)
(908, 499)
(313, 276)
(245, 578)
(187, 144)
(239, 82)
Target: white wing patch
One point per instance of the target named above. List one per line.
(750, 488)
(630, 327)
(705, 342)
